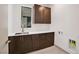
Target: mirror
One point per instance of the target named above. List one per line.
(25, 17)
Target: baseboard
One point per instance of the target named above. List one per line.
(62, 49)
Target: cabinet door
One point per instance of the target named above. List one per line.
(42, 41)
(35, 40)
(11, 45)
(39, 12)
(50, 38)
(27, 45)
(23, 44)
(47, 15)
(46, 40)
(42, 14)
(18, 44)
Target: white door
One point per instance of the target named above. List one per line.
(3, 28)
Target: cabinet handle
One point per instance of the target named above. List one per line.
(8, 41)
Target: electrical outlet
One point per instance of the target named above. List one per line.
(72, 43)
(60, 32)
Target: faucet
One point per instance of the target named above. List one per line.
(22, 26)
(22, 29)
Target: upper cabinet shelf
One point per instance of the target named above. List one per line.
(42, 14)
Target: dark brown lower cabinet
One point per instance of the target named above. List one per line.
(43, 42)
(23, 44)
(27, 43)
(50, 38)
(12, 45)
(35, 41)
(46, 40)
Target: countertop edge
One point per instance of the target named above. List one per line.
(30, 33)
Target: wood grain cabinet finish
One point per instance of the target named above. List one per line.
(50, 38)
(23, 44)
(46, 40)
(27, 43)
(43, 41)
(35, 41)
(20, 44)
(47, 15)
(11, 45)
(42, 14)
(38, 14)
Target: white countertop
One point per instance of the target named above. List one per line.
(25, 33)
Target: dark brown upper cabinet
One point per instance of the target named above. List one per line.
(42, 14)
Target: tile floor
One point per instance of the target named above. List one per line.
(49, 50)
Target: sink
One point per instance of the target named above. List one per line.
(22, 33)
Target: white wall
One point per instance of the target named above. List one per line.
(14, 21)
(3, 28)
(66, 20)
